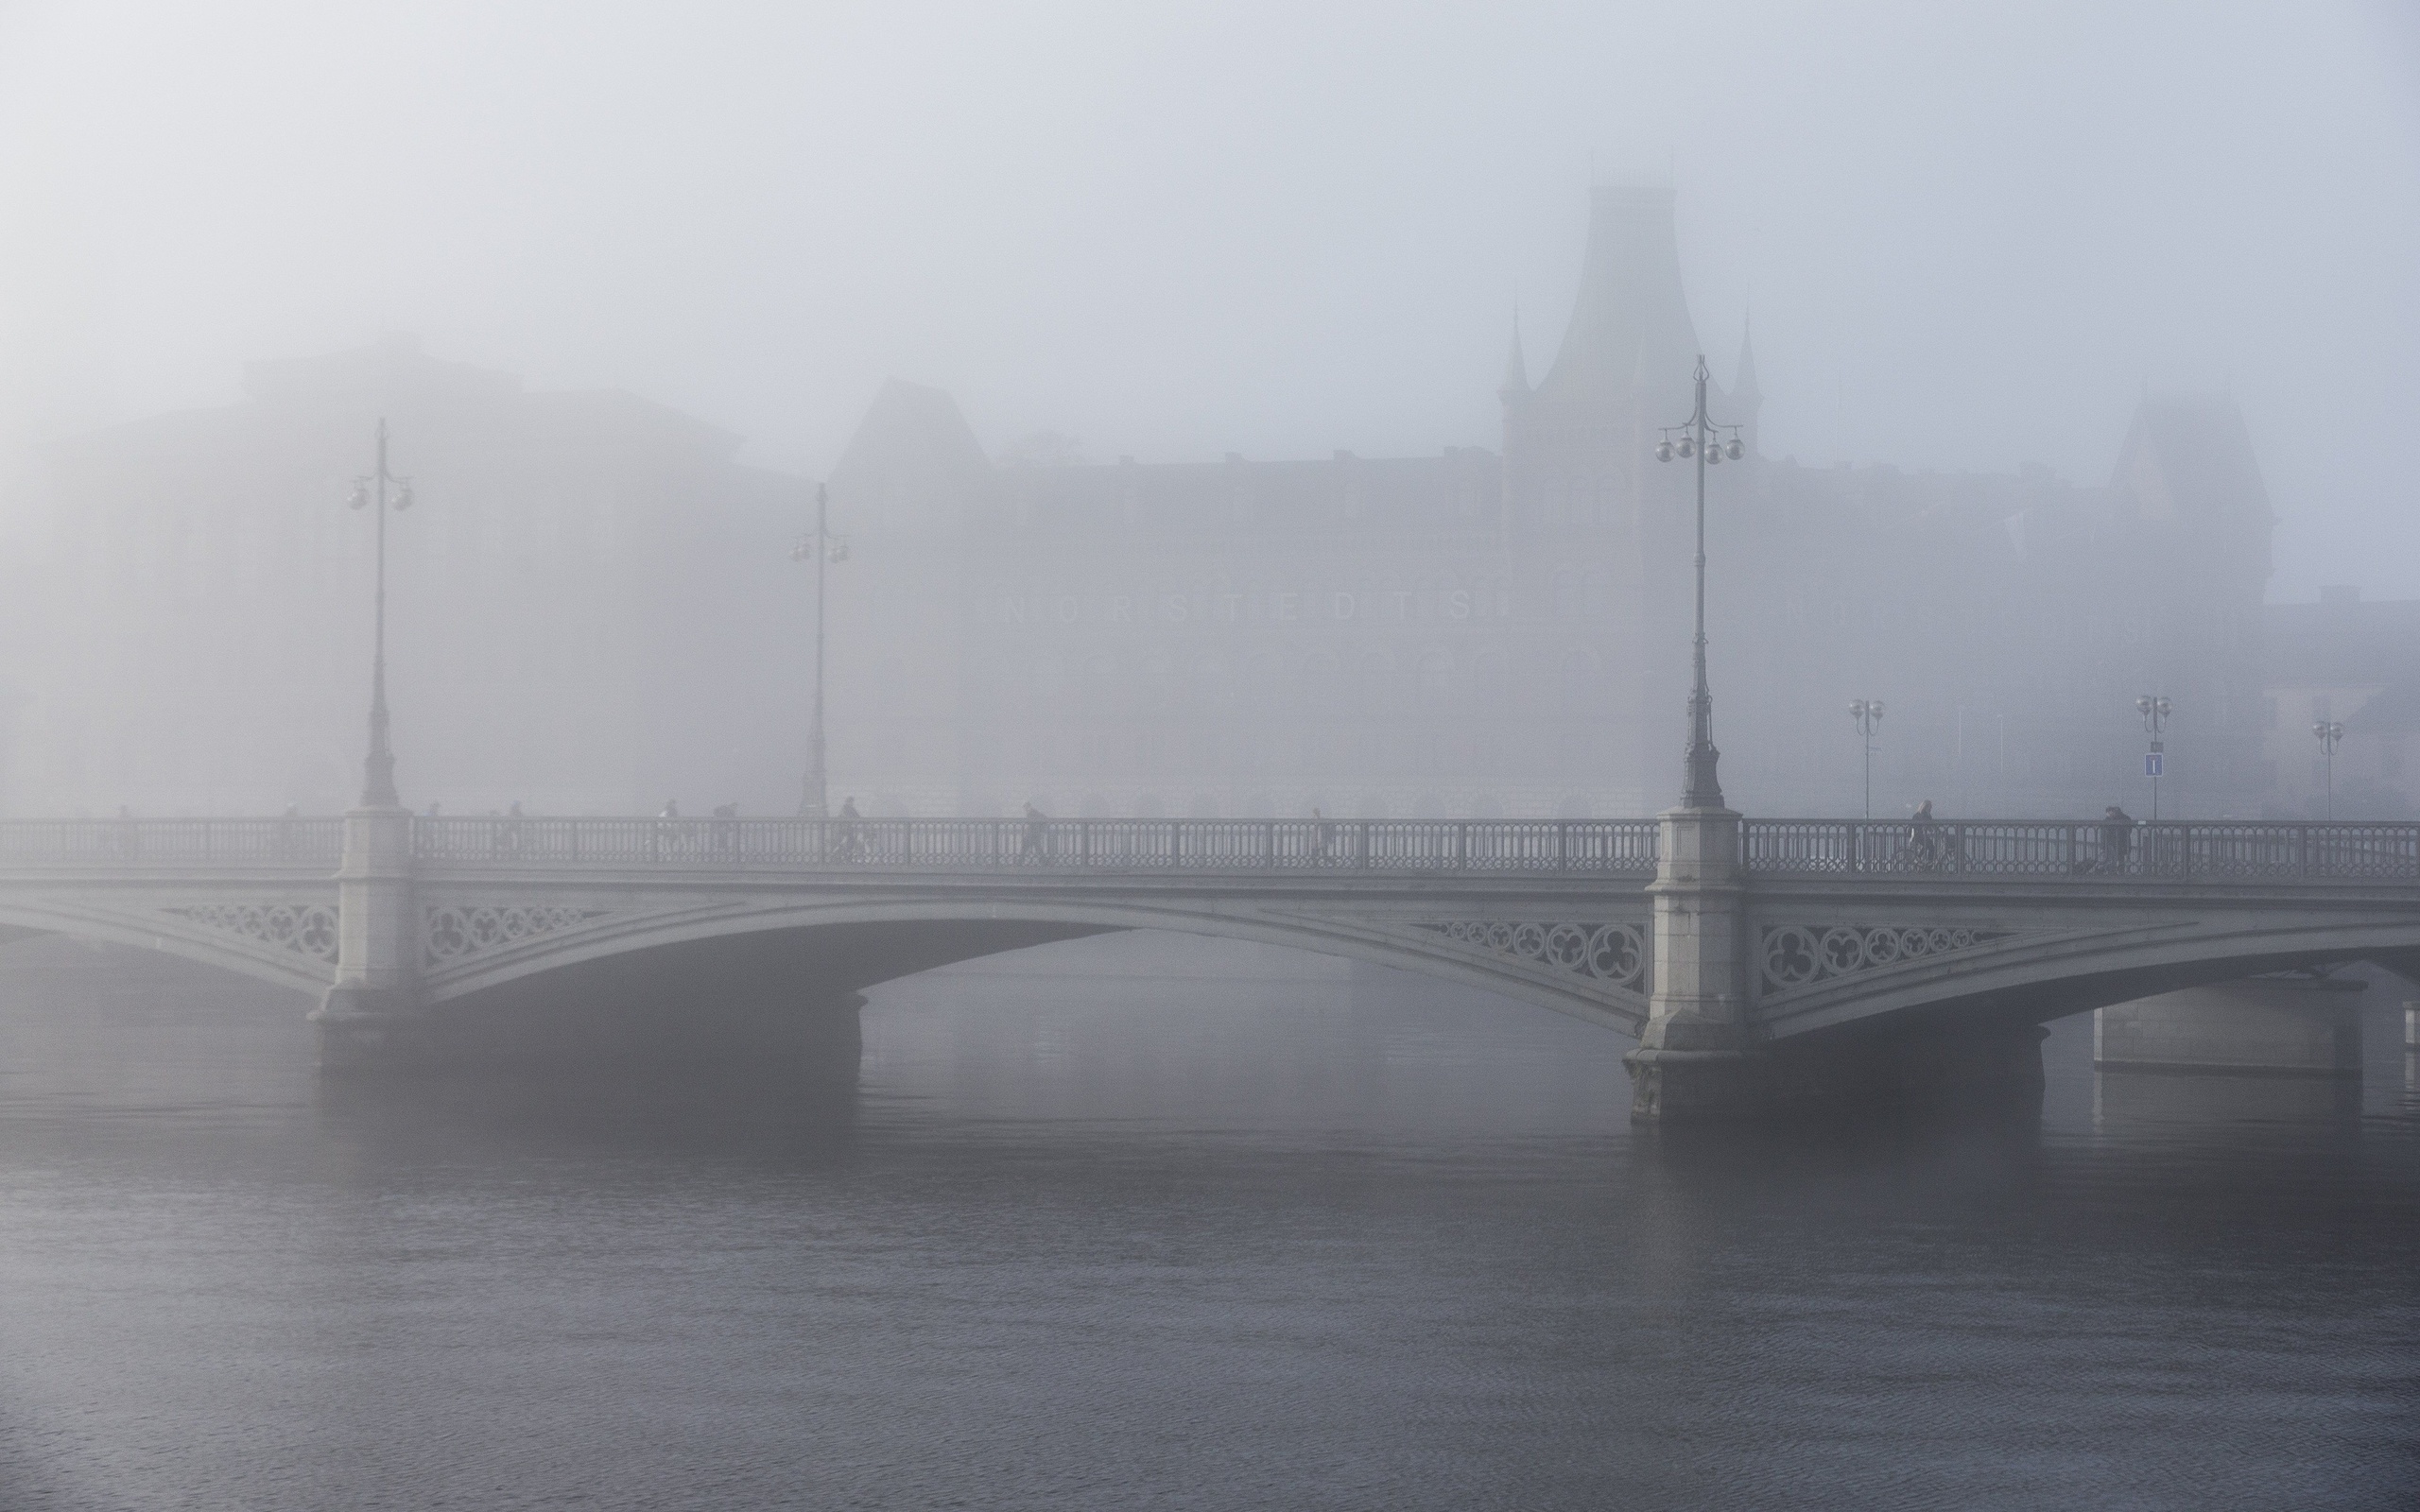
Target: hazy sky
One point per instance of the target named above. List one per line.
(1970, 234)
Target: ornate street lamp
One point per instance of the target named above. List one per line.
(1868, 714)
(1697, 438)
(821, 548)
(2330, 734)
(378, 771)
(2154, 710)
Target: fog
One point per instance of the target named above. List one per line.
(1176, 232)
(1182, 1048)
(1967, 242)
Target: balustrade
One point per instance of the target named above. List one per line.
(2168, 851)
(1607, 847)
(2179, 850)
(281, 842)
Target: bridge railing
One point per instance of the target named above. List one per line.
(1607, 847)
(297, 842)
(2169, 851)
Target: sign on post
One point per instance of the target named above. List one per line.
(2151, 764)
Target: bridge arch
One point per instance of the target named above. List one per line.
(2039, 976)
(842, 944)
(284, 940)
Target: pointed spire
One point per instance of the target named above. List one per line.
(1743, 378)
(1631, 317)
(1517, 368)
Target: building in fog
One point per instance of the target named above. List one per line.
(593, 607)
(2344, 662)
(1506, 631)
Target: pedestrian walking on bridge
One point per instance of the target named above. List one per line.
(2116, 838)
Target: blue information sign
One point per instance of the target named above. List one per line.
(2151, 764)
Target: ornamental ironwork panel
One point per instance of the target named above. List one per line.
(451, 932)
(1608, 953)
(307, 929)
(1794, 956)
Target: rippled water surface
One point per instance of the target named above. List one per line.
(1199, 1228)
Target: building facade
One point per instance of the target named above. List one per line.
(591, 603)
(1506, 631)
(593, 607)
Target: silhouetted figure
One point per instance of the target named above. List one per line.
(2116, 837)
(1037, 835)
(671, 809)
(1924, 835)
(513, 812)
(1323, 834)
(849, 828)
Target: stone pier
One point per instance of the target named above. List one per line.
(372, 1017)
(1696, 1057)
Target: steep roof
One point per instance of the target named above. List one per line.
(1630, 322)
(2189, 458)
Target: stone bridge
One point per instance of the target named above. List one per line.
(1753, 959)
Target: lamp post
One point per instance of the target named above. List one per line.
(378, 771)
(1868, 714)
(2154, 710)
(822, 548)
(1697, 438)
(2330, 734)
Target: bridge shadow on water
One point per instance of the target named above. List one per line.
(802, 1113)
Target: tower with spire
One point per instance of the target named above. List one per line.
(1581, 487)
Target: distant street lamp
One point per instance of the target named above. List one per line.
(2330, 734)
(378, 771)
(1697, 438)
(821, 548)
(1868, 714)
(2154, 710)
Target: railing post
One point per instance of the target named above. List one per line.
(1083, 842)
(1563, 845)
(1361, 844)
(1269, 843)
(1462, 846)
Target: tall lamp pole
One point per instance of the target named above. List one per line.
(2154, 710)
(1697, 438)
(378, 770)
(2330, 733)
(821, 548)
(1868, 714)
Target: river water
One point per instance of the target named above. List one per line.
(1112, 1229)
